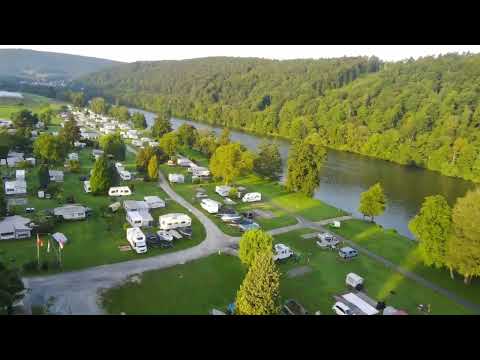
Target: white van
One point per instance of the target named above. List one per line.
(87, 187)
(355, 281)
(137, 240)
(281, 252)
(211, 206)
(119, 191)
(252, 197)
(340, 308)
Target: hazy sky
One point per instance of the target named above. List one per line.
(130, 53)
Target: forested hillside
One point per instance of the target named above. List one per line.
(39, 65)
(424, 113)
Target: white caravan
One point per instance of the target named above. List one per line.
(281, 252)
(174, 221)
(252, 197)
(125, 175)
(176, 178)
(119, 191)
(87, 187)
(154, 202)
(16, 187)
(139, 218)
(137, 240)
(211, 206)
(223, 190)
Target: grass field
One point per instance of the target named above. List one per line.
(8, 106)
(404, 252)
(212, 283)
(93, 241)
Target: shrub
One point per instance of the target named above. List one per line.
(44, 266)
(233, 193)
(70, 199)
(30, 266)
(74, 166)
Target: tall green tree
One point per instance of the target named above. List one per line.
(230, 161)
(153, 168)
(103, 176)
(187, 135)
(70, 132)
(120, 113)
(99, 106)
(143, 157)
(161, 126)
(139, 121)
(224, 138)
(113, 144)
(305, 162)
(77, 99)
(49, 149)
(3, 202)
(169, 143)
(268, 162)
(252, 243)
(432, 227)
(24, 119)
(260, 290)
(11, 285)
(43, 176)
(372, 201)
(464, 246)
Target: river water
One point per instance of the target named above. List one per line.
(345, 175)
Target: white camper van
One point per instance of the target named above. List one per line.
(252, 197)
(174, 221)
(119, 191)
(137, 240)
(87, 187)
(355, 281)
(211, 206)
(281, 252)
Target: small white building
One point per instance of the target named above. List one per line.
(176, 178)
(15, 227)
(15, 187)
(174, 221)
(154, 202)
(56, 175)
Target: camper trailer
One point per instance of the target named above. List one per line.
(139, 218)
(223, 190)
(125, 175)
(154, 202)
(211, 206)
(86, 186)
(173, 221)
(252, 197)
(119, 191)
(137, 240)
(176, 178)
(16, 187)
(71, 212)
(281, 252)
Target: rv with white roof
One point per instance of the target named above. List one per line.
(281, 252)
(211, 206)
(174, 221)
(252, 197)
(137, 240)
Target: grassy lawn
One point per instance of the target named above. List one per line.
(404, 252)
(212, 283)
(93, 241)
(8, 106)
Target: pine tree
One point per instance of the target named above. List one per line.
(153, 168)
(101, 179)
(259, 292)
(372, 201)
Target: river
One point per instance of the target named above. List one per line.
(345, 175)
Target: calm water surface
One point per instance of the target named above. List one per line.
(345, 175)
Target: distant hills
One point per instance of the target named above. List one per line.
(42, 66)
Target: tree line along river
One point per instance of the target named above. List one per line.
(345, 175)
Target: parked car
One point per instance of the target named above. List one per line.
(347, 253)
(29, 210)
(185, 231)
(225, 210)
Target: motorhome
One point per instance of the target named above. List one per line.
(119, 191)
(223, 190)
(173, 221)
(252, 197)
(176, 178)
(71, 212)
(87, 187)
(137, 240)
(211, 206)
(281, 252)
(154, 202)
(15, 187)
(125, 175)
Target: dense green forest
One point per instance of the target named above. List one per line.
(421, 112)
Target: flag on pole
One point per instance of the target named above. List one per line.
(39, 241)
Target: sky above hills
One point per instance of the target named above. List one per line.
(131, 53)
